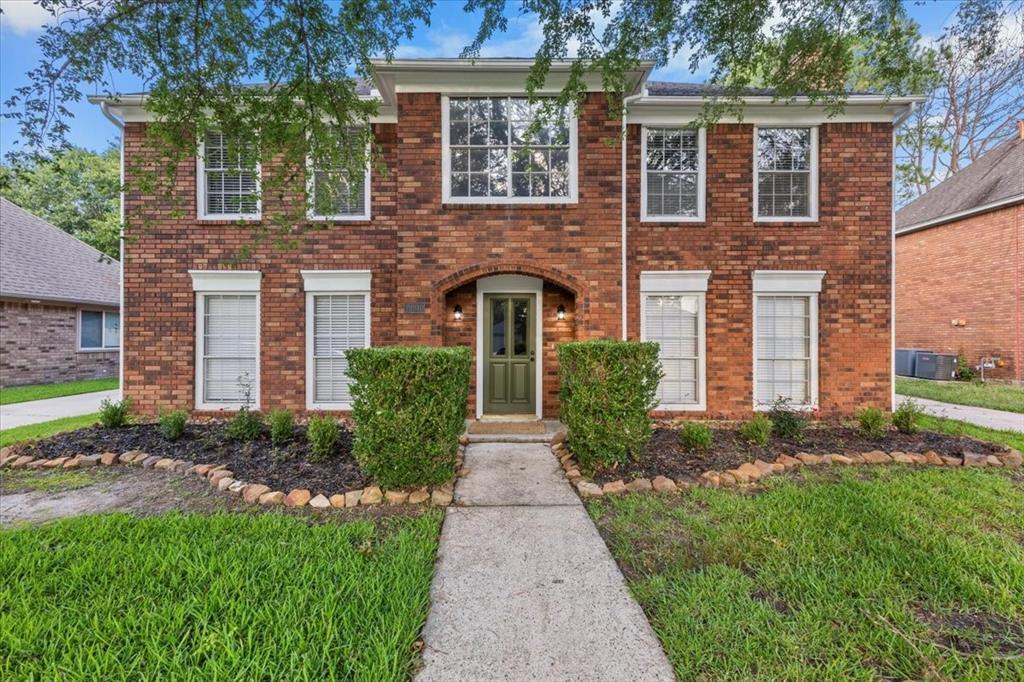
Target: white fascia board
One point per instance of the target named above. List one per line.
(132, 108)
(674, 281)
(351, 281)
(959, 215)
(659, 111)
(225, 280)
(787, 281)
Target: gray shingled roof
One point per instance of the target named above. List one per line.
(40, 261)
(673, 89)
(997, 175)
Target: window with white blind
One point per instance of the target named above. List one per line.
(673, 181)
(786, 174)
(335, 194)
(228, 177)
(491, 153)
(229, 349)
(337, 320)
(786, 337)
(672, 314)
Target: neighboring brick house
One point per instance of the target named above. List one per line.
(467, 239)
(59, 304)
(960, 264)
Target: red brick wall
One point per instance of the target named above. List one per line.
(850, 241)
(972, 270)
(39, 345)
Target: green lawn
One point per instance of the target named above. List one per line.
(43, 429)
(855, 574)
(222, 597)
(1013, 439)
(994, 396)
(21, 394)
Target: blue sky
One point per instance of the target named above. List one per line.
(450, 30)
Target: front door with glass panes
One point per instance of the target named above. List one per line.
(509, 354)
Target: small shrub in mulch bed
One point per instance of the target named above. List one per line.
(664, 456)
(281, 467)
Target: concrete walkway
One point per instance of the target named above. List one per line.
(982, 416)
(525, 588)
(35, 411)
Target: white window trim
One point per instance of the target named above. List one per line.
(446, 164)
(354, 217)
(201, 213)
(813, 181)
(224, 282)
(326, 283)
(681, 283)
(702, 165)
(103, 332)
(788, 283)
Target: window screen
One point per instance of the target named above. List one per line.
(672, 321)
(230, 344)
(339, 323)
(231, 175)
(783, 327)
(784, 172)
(673, 167)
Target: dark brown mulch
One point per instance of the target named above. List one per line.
(970, 633)
(257, 461)
(664, 457)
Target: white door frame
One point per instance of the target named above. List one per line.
(510, 284)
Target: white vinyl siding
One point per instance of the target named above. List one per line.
(340, 322)
(99, 330)
(227, 179)
(786, 173)
(229, 350)
(673, 174)
(785, 328)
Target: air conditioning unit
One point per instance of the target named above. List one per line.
(939, 366)
(906, 360)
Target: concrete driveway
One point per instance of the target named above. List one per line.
(35, 411)
(981, 416)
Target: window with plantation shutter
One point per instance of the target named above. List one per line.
(672, 308)
(339, 323)
(673, 174)
(230, 348)
(228, 177)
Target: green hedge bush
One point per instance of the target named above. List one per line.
(409, 409)
(608, 390)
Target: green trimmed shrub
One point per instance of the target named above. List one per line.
(114, 415)
(409, 409)
(322, 434)
(282, 426)
(787, 423)
(245, 425)
(695, 436)
(608, 389)
(757, 430)
(172, 424)
(871, 423)
(906, 416)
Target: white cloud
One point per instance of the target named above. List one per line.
(23, 17)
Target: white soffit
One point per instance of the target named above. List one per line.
(679, 111)
(674, 281)
(787, 281)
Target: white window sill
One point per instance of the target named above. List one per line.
(330, 407)
(339, 218)
(112, 349)
(505, 201)
(671, 219)
(225, 407)
(244, 217)
(795, 219)
(766, 407)
(688, 407)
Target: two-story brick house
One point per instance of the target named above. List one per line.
(758, 253)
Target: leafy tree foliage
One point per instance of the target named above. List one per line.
(76, 189)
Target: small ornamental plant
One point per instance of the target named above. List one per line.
(115, 414)
(282, 426)
(907, 416)
(172, 424)
(694, 436)
(871, 423)
(322, 434)
(246, 425)
(757, 430)
(787, 423)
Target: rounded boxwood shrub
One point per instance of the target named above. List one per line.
(408, 410)
(608, 389)
(694, 436)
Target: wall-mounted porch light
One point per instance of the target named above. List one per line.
(457, 314)
(561, 312)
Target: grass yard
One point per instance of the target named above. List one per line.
(994, 396)
(21, 394)
(955, 427)
(222, 597)
(860, 574)
(43, 429)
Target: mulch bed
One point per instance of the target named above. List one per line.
(664, 457)
(259, 461)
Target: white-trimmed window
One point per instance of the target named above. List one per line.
(227, 339)
(673, 182)
(337, 319)
(490, 155)
(672, 313)
(335, 195)
(786, 337)
(785, 174)
(227, 179)
(99, 330)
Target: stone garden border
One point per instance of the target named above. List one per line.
(750, 472)
(222, 478)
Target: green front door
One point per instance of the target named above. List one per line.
(509, 354)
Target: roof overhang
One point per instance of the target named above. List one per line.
(767, 110)
(484, 76)
(70, 301)
(960, 215)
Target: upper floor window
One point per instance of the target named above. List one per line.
(673, 174)
(786, 174)
(228, 177)
(98, 330)
(491, 154)
(335, 194)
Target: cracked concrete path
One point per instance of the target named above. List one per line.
(525, 588)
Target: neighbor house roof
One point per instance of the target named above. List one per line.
(996, 179)
(41, 261)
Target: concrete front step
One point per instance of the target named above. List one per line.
(510, 437)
